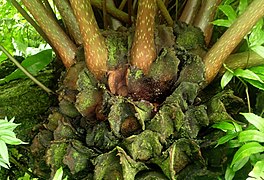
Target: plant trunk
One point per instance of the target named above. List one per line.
(94, 45)
(217, 55)
(60, 41)
(143, 51)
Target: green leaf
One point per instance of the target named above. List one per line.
(226, 79)
(256, 120)
(240, 163)
(11, 140)
(259, 70)
(4, 132)
(58, 175)
(33, 64)
(256, 84)
(11, 120)
(259, 50)
(4, 125)
(234, 143)
(256, 37)
(19, 45)
(229, 12)
(258, 170)
(238, 127)
(3, 164)
(25, 177)
(245, 151)
(222, 22)
(247, 74)
(229, 174)
(4, 152)
(226, 138)
(242, 6)
(228, 1)
(251, 135)
(2, 56)
(225, 126)
(254, 158)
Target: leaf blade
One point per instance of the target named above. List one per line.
(251, 135)
(245, 151)
(256, 120)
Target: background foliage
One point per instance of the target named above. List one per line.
(16, 34)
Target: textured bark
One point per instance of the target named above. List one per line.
(69, 19)
(58, 38)
(143, 51)
(94, 45)
(190, 11)
(205, 16)
(230, 39)
(48, 8)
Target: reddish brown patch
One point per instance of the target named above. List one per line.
(117, 81)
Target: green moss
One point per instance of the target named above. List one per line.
(86, 101)
(77, 157)
(189, 36)
(195, 118)
(136, 73)
(118, 112)
(108, 167)
(55, 155)
(64, 131)
(144, 146)
(67, 108)
(143, 111)
(165, 67)
(162, 122)
(7, 66)
(193, 68)
(86, 80)
(220, 106)
(101, 137)
(89, 95)
(117, 49)
(177, 157)
(23, 99)
(116, 164)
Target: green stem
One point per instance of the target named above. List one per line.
(115, 23)
(242, 60)
(205, 16)
(165, 12)
(216, 56)
(94, 45)
(189, 11)
(143, 51)
(130, 11)
(111, 10)
(28, 74)
(122, 5)
(49, 9)
(62, 44)
(69, 20)
(105, 14)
